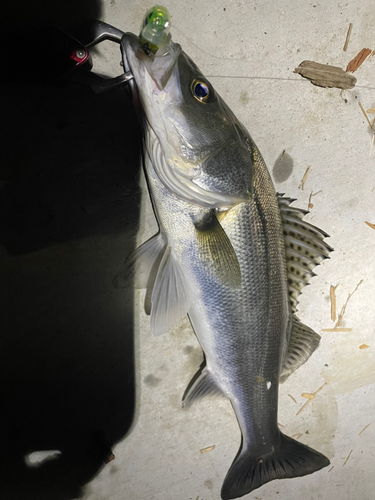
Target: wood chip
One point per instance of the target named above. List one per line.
(343, 309)
(302, 185)
(206, 450)
(363, 430)
(331, 468)
(367, 118)
(348, 37)
(364, 346)
(324, 75)
(332, 330)
(291, 397)
(358, 60)
(369, 223)
(347, 458)
(308, 395)
(332, 294)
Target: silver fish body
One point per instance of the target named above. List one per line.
(220, 257)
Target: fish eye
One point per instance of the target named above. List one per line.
(200, 91)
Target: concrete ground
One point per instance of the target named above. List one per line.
(81, 371)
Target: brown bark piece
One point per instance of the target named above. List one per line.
(324, 75)
(358, 60)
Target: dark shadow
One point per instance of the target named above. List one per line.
(283, 167)
(69, 210)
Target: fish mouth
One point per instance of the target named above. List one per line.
(159, 65)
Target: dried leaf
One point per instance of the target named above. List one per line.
(369, 223)
(364, 346)
(206, 450)
(348, 37)
(324, 75)
(358, 60)
(304, 179)
(363, 430)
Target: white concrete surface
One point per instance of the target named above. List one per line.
(249, 49)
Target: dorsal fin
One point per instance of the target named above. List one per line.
(304, 248)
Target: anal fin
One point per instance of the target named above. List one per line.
(303, 342)
(202, 384)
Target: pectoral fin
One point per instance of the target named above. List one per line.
(170, 299)
(216, 250)
(142, 264)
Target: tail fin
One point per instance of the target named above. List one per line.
(290, 459)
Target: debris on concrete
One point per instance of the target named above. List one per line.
(324, 75)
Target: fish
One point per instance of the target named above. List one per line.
(231, 254)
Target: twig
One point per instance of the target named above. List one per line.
(348, 37)
(369, 223)
(332, 295)
(291, 397)
(367, 118)
(342, 312)
(206, 450)
(281, 425)
(310, 205)
(347, 458)
(296, 436)
(310, 398)
(332, 330)
(363, 430)
(331, 468)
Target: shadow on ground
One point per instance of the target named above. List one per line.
(69, 209)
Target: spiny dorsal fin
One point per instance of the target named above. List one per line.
(216, 250)
(303, 342)
(202, 384)
(304, 248)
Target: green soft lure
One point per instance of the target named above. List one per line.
(155, 29)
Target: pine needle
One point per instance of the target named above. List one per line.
(343, 309)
